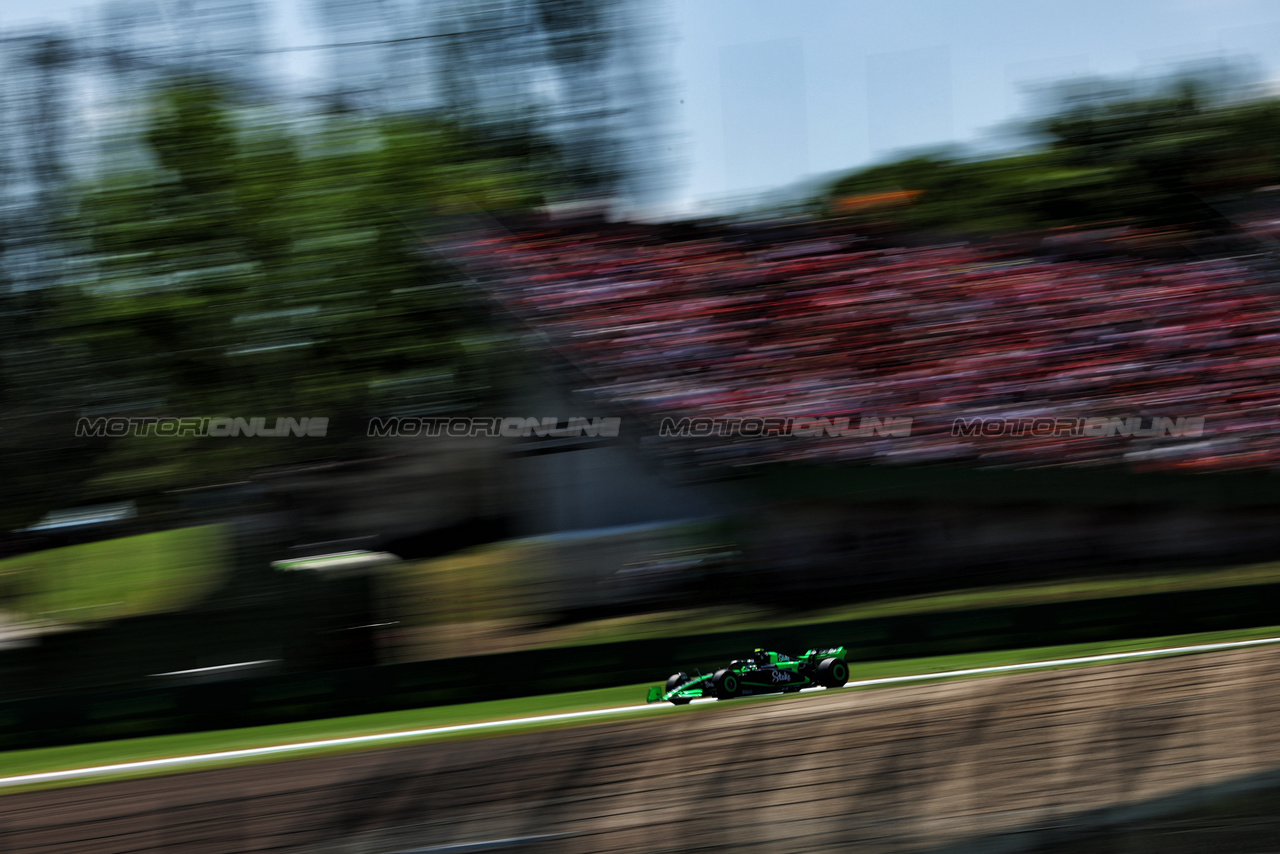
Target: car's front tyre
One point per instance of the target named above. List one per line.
(726, 684)
(676, 680)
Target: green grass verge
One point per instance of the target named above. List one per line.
(115, 578)
(1067, 590)
(105, 753)
(709, 620)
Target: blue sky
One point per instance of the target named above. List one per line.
(769, 92)
(775, 91)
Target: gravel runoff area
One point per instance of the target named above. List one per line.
(1002, 763)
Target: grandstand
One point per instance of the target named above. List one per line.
(728, 328)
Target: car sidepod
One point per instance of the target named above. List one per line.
(771, 679)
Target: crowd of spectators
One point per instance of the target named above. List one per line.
(718, 328)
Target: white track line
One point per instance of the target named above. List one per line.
(345, 741)
(400, 735)
(1061, 662)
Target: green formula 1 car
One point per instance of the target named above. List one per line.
(762, 672)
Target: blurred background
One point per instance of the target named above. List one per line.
(870, 214)
(363, 357)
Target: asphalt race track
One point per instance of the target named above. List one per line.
(386, 738)
(1001, 763)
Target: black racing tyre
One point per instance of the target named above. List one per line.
(726, 684)
(676, 680)
(833, 672)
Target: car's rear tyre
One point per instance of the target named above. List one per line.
(676, 680)
(833, 672)
(726, 684)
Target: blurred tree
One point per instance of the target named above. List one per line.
(1160, 154)
(584, 73)
(266, 269)
(39, 392)
(579, 40)
(1158, 149)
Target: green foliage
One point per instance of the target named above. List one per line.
(1162, 155)
(269, 266)
(192, 136)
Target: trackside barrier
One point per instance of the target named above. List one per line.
(270, 699)
(1081, 487)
